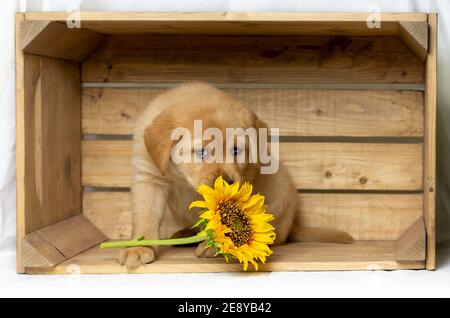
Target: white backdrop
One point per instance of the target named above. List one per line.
(430, 284)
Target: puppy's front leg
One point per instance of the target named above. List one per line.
(149, 204)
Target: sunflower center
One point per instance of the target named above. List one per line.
(235, 219)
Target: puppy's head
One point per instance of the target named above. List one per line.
(204, 159)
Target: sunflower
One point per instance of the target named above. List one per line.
(235, 222)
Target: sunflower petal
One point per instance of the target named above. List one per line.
(208, 215)
(264, 237)
(262, 227)
(260, 218)
(255, 201)
(210, 201)
(198, 204)
(245, 264)
(245, 192)
(254, 264)
(219, 185)
(205, 190)
(234, 189)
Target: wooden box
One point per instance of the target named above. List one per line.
(355, 105)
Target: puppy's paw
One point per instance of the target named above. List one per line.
(133, 257)
(204, 252)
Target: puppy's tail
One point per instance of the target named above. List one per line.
(316, 234)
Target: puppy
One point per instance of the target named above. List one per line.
(162, 189)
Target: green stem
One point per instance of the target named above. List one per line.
(137, 242)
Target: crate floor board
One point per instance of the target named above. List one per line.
(360, 255)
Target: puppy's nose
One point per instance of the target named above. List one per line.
(229, 180)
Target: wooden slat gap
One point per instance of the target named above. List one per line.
(318, 86)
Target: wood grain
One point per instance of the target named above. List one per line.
(110, 212)
(239, 59)
(29, 30)
(296, 112)
(55, 39)
(106, 163)
(61, 121)
(57, 243)
(48, 143)
(229, 16)
(37, 252)
(364, 216)
(33, 214)
(415, 35)
(306, 28)
(21, 145)
(411, 245)
(72, 236)
(52, 116)
(354, 166)
(373, 255)
(430, 144)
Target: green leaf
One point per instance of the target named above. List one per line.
(210, 234)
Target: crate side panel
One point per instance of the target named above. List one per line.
(53, 137)
(61, 138)
(33, 218)
(430, 144)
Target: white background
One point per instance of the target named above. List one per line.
(399, 283)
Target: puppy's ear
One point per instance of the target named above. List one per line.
(158, 142)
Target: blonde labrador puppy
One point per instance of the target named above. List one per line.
(163, 189)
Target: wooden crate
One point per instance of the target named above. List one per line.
(356, 108)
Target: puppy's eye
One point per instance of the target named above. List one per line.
(202, 153)
(236, 151)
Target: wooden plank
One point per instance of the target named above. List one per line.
(33, 214)
(57, 154)
(411, 246)
(315, 28)
(54, 39)
(316, 112)
(29, 30)
(48, 130)
(316, 165)
(106, 163)
(244, 59)
(21, 121)
(229, 16)
(72, 236)
(354, 166)
(110, 212)
(48, 142)
(430, 144)
(37, 252)
(415, 35)
(362, 255)
(364, 216)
